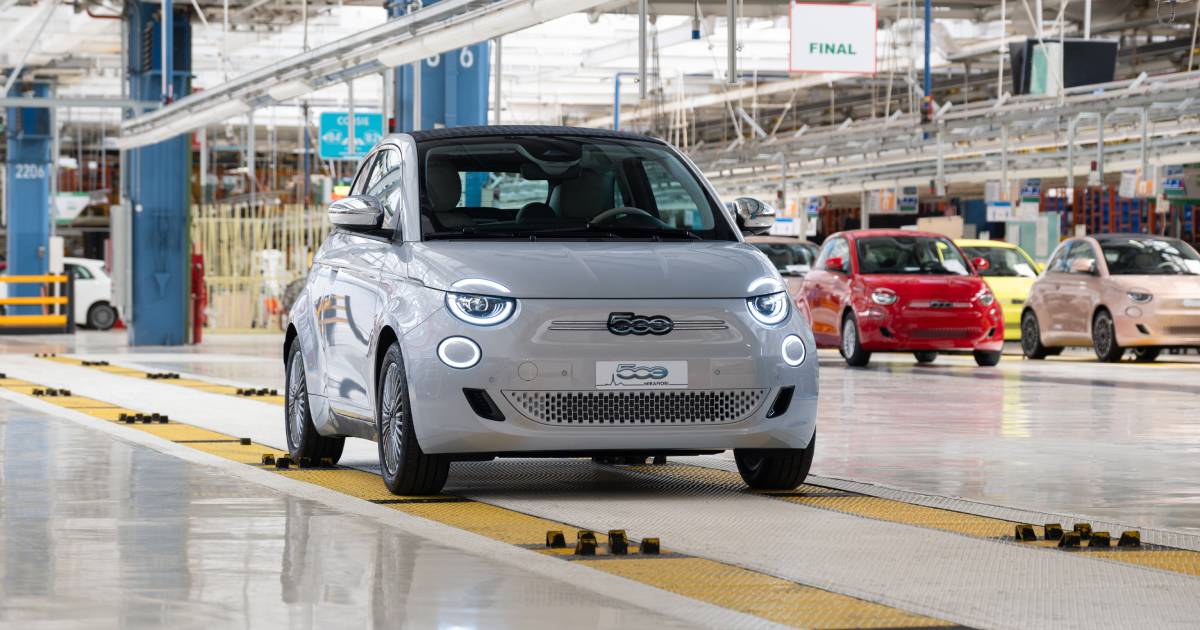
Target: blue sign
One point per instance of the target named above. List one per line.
(335, 135)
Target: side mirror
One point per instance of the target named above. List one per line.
(358, 212)
(753, 216)
(981, 264)
(836, 263)
(1083, 265)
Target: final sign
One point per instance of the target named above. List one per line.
(833, 38)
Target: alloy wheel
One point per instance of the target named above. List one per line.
(1103, 335)
(849, 337)
(1029, 335)
(297, 400)
(392, 419)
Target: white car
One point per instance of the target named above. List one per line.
(545, 292)
(93, 293)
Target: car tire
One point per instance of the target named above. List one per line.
(777, 469)
(987, 358)
(851, 344)
(1031, 339)
(101, 316)
(925, 357)
(1146, 354)
(304, 443)
(1104, 338)
(406, 469)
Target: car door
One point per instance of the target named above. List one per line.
(1050, 297)
(828, 290)
(1077, 291)
(359, 262)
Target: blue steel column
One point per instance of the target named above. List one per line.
(157, 184)
(454, 91)
(27, 191)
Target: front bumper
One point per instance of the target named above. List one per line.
(1162, 322)
(526, 363)
(886, 329)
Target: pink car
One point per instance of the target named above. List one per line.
(1113, 292)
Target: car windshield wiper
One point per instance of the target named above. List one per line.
(468, 233)
(661, 232)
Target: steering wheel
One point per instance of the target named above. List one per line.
(614, 213)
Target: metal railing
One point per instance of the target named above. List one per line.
(57, 300)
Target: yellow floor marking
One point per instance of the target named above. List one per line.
(1167, 559)
(761, 595)
(190, 383)
(714, 582)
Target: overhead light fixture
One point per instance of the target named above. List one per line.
(289, 90)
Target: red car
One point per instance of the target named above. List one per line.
(900, 291)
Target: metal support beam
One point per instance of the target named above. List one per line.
(928, 49)
(731, 52)
(168, 11)
(643, 54)
(27, 191)
(157, 187)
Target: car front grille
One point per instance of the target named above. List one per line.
(944, 333)
(1188, 331)
(685, 407)
(682, 325)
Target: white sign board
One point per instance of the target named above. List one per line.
(833, 38)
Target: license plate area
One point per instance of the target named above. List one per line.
(616, 375)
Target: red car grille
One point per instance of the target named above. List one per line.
(944, 333)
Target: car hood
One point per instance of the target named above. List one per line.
(1174, 286)
(1008, 288)
(600, 270)
(926, 286)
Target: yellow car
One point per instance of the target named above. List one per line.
(1010, 274)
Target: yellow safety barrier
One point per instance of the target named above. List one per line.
(33, 320)
(47, 279)
(33, 301)
(57, 302)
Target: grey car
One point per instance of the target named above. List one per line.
(545, 292)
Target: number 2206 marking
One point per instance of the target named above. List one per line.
(31, 171)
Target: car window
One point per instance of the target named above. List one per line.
(788, 257)
(1003, 262)
(910, 255)
(555, 187)
(363, 175)
(1058, 262)
(385, 183)
(1080, 250)
(80, 272)
(1149, 256)
(841, 249)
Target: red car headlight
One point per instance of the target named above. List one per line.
(985, 297)
(884, 297)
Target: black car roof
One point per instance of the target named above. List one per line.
(477, 131)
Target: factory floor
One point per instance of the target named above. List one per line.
(922, 475)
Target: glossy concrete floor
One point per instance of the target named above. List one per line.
(1069, 435)
(97, 532)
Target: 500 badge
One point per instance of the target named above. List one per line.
(641, 374)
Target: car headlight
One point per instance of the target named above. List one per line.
(1139, 296)
(769, 309)
(481, 310)
(884, 297)
(985, 297)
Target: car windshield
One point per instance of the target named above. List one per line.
(909, 255)
(1003, 262)
(1149, 256)
(788, 258)
(562, 187)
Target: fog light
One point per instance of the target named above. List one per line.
(793, 350)
(459, 352)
